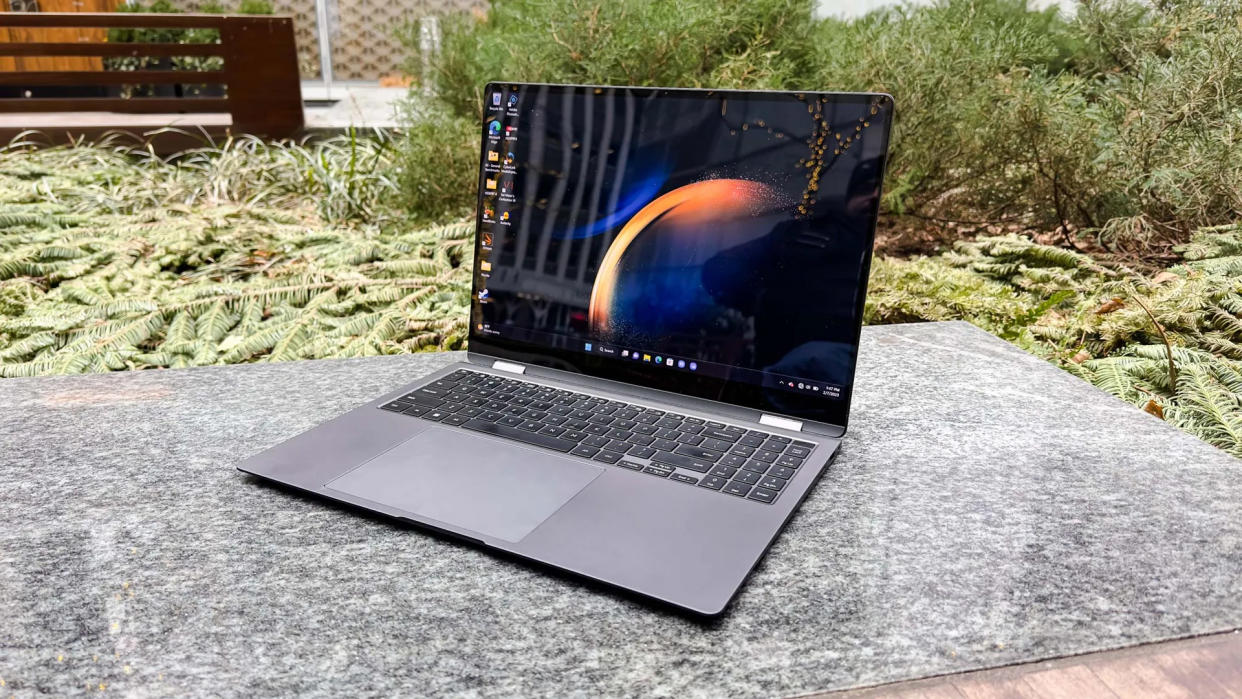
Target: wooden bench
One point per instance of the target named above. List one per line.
(259, 78)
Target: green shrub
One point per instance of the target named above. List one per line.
(760, 43)
(1121, 121)
(437, 164)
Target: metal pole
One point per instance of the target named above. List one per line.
(428, 48)
(325, 46)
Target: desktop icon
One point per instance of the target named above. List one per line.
(490, 184)
(485, 266)
(512, 100)
(504, 216)
(487, 240)
(646, 357)
(659, 359)
(509, 158)
(484, 294)
(681, 364)
(694, 366)
(669, 361)
(495, 99)
(510, 130)
(494, 128)
(588, 347)
(488, 212)
(625, 353)
(493, 156)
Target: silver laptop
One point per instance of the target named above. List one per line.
(667, 300)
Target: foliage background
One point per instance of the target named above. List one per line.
(1072, 184)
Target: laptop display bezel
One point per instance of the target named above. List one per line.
(736, 393)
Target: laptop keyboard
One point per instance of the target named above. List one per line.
(744, 463)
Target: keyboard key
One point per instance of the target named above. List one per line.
(713, 482)
(454, 420)
(749, 477)
(751, 441)
(804, 445)
(723, 471)
(435, 414)
(781, 472)
(397, 406)
(664, 444)
(765, 456)
(641, 439)
(422, 397)
(772, 483)
(620, 434)
(762, 495)
(552, 430)
(800, 452)
(715, 433)
(738, 489)
(531, 425)
(575, 436)
(633, 466)
(683, 478)
(756, 466)
(691, 439)
(657, 470)
(416, 410)
(584, 450)
(716, 424)
(542, 440)
(686, 462)
(617, 445)
(595, 441)
(733, 460)
(608, 457)
(432, 390)
(698, 453)
(641, 452)
(788, 461)
(716, 444)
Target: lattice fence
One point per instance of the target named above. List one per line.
(364, 32)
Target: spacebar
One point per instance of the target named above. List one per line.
(515, 434)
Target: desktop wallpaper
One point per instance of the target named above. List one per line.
(727, 230)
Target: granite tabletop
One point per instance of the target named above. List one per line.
(986, 509)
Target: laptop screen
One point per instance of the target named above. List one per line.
(711, 243)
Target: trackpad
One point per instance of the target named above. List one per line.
(492, 487)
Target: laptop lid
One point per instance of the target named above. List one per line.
(711, 243)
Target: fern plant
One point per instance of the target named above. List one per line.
(220, 285)
(1171, 344)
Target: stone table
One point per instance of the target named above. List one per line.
(986, 509)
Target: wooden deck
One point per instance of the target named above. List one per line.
(1207, 666)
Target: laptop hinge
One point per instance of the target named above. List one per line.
(509, 367)
(782, 422)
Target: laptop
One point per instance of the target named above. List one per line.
(668, 289)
